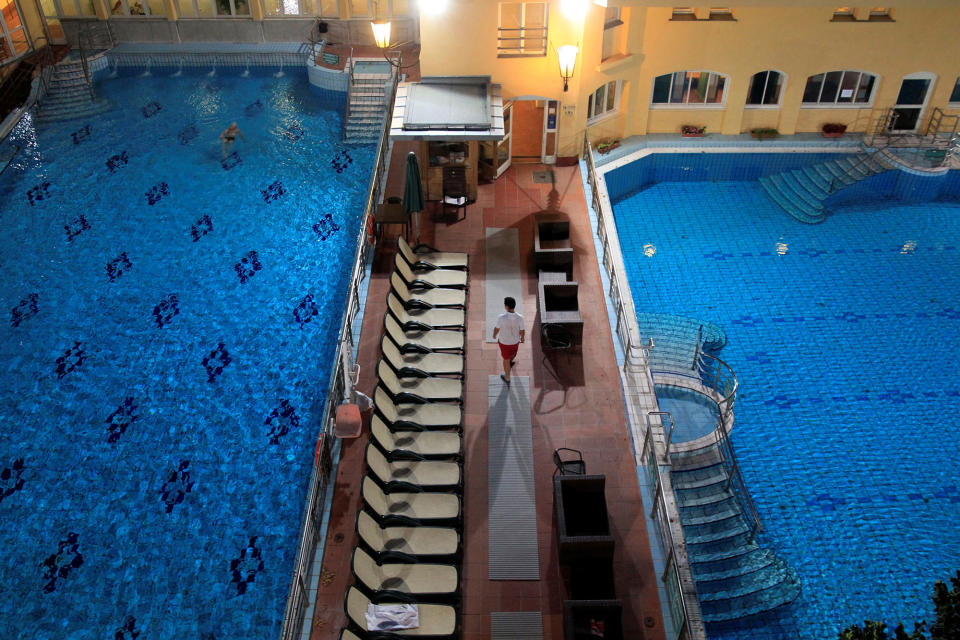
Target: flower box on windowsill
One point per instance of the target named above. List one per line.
(691, 135)
(831, 130)
(692, 131)
(764, 134)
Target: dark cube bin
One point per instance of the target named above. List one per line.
(578, 614)
(583, 526)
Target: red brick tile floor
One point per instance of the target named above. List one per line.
(575, 401)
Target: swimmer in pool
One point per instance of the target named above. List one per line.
(228, 136)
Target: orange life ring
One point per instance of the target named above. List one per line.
(371, 231)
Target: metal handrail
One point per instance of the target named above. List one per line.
(659, 513)
(337, 392)
(717, 375)
(635, 353)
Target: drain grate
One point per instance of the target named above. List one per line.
(543, 177)
(516, 625)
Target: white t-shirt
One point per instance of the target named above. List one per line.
(510, 325)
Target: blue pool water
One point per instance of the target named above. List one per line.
(694, 414)
(169, 323)
(842, 336)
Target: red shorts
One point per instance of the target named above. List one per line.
(508, 351)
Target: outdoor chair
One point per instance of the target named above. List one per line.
(427, 298)
(393, 571)
(455, 193)
(393, 476)
(433, 339)
(446, 278)
(431, 388)
(437, 621)
(434, 364)
(418, 259)
(425, 319)
(432, 508)
(569, 464)
(431, 445)
(414, 538)
(416, 417)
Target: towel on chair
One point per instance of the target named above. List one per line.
(385, 617)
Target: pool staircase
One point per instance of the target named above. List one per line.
(735, 575)
(70, 95)
(677, 339)
(801, 192)
(366, 103)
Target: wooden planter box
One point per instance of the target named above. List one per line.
(832, 135)
(763, 136)
(583, 526)
(578, 615)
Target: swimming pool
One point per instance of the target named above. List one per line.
(171, 315)
(841, 336)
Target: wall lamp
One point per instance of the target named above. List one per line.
(567, 57)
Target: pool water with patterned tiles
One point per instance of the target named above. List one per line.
(842, 337)
(171, 311)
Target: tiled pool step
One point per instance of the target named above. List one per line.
(801, 192)
(675, 340)
(366, 111)
(68, 95)
(735, 576)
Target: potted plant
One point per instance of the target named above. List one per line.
(764, 133)
(607, 146)
(691, 131)
(833, 130)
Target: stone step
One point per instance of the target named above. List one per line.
(753, 602)
(795, 192)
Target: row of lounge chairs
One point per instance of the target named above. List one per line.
(410, 523)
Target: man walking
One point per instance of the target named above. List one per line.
(509, 333)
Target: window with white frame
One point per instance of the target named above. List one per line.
(689, 88)
(604, 101)
(13, 36)
(611, 17)
(211, 8)
(683, 13)
(721, 13)
(955, 96)
(54, 9)
(765, 88)
(844, 14)
(839, 87)
(522, 29)
(880, 14)
(137, 8)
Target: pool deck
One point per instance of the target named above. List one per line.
(576, 402)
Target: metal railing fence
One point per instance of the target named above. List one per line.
(635, 353)
(337, 393)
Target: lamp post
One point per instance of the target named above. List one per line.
(381, 37)
(567, 57)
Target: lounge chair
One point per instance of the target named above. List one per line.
(432, 508)
(425, 319)
(434, 364)
(436, 297)
(425, 257)
(437, 621)
(430, 388)
(448, 278)
(412, 538)
(433, 339)
(393, 571)
(416, 417)
(398, 475)
(429, 444)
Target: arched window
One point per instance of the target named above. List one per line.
(765, 88)
(603, 101)
(839, 87)
(689, 88)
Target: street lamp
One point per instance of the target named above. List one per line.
(567, 57)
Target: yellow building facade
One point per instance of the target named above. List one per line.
(644, 67)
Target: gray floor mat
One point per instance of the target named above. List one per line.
(503, 276)
(513, 553)
(516, 625)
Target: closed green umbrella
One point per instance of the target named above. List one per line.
(413, 202)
